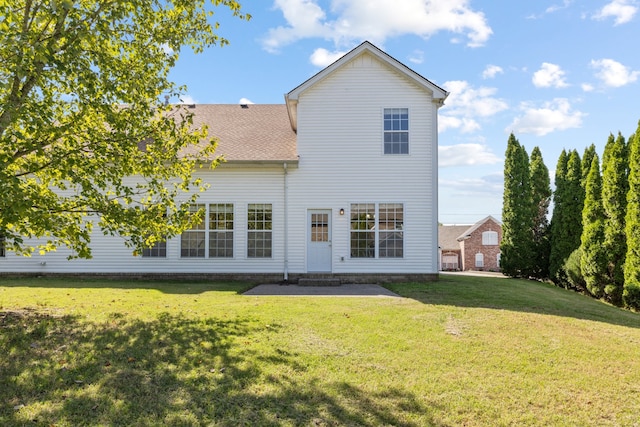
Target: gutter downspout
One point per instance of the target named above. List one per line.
(286, 223)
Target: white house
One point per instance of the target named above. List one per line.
(340, 180)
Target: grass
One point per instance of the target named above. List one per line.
(462, 351)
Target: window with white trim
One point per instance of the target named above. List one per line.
(193, 241)
(490, 238)
(212, 237)
(479, 260)
(396, 131)
(259, 234)
(3, 251)
(221, 230)
(391, 237)
(498, 259)
(158, 250)
(376, 230)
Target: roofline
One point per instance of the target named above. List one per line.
(293, 163)
(291, 98)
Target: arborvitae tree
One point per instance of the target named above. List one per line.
(587, 157)
(615, 185)
(593, 261)
(557, 218)
(515, 247)
(631, 290)
(567, 230)
(540, 198)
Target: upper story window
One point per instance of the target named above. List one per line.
(396, 131)
(490, 238)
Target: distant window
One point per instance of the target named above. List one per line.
(498, 260)
(396, 131)
(192, 241)
(479, 260)
(490, 238)
(259, 226)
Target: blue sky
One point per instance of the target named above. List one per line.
(558, 74)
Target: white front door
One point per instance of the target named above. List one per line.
(319, 241)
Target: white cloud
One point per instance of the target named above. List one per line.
(245, 101)
(417, 57)
(187, 99)
(322, 57)
(466, 125)
(466, 155)
(613, 73)
(622, 10)
(376, 20)
(491, 71)
(486, 185)
(587, 87)
(467, 101)
(553, 116)
(549, 75)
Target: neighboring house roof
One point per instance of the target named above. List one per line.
(291, 98)
(253, 133)
(448, 236)
(475, 226)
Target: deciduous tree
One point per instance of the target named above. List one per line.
(81, 110)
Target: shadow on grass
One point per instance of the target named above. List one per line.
(167, 286)
(62, 370)
(515, 295)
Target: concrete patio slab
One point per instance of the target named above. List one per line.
(346, 290)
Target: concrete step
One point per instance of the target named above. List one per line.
(318, 282)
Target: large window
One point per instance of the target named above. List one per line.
(391, 234)
(192, 243)
(221, 230)
(158, 250)
(213, 236)
(377, 230)
(259, 234)
(363, 221)
(396, 131)
(490, 238)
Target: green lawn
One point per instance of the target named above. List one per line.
(462, 351)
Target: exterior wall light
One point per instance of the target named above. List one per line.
(341, 211)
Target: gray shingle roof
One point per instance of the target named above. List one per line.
(259, 133)
(448, 236)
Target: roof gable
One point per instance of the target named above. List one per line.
(475, 226)
(292, 97)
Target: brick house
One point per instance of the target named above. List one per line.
(474, 247)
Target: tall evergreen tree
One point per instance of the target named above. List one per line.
(567, 230)
(587, 157)
(557, 218)
(540, 198)
(615, 185)
(593, 261)
(631, 289)
(515, 247)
